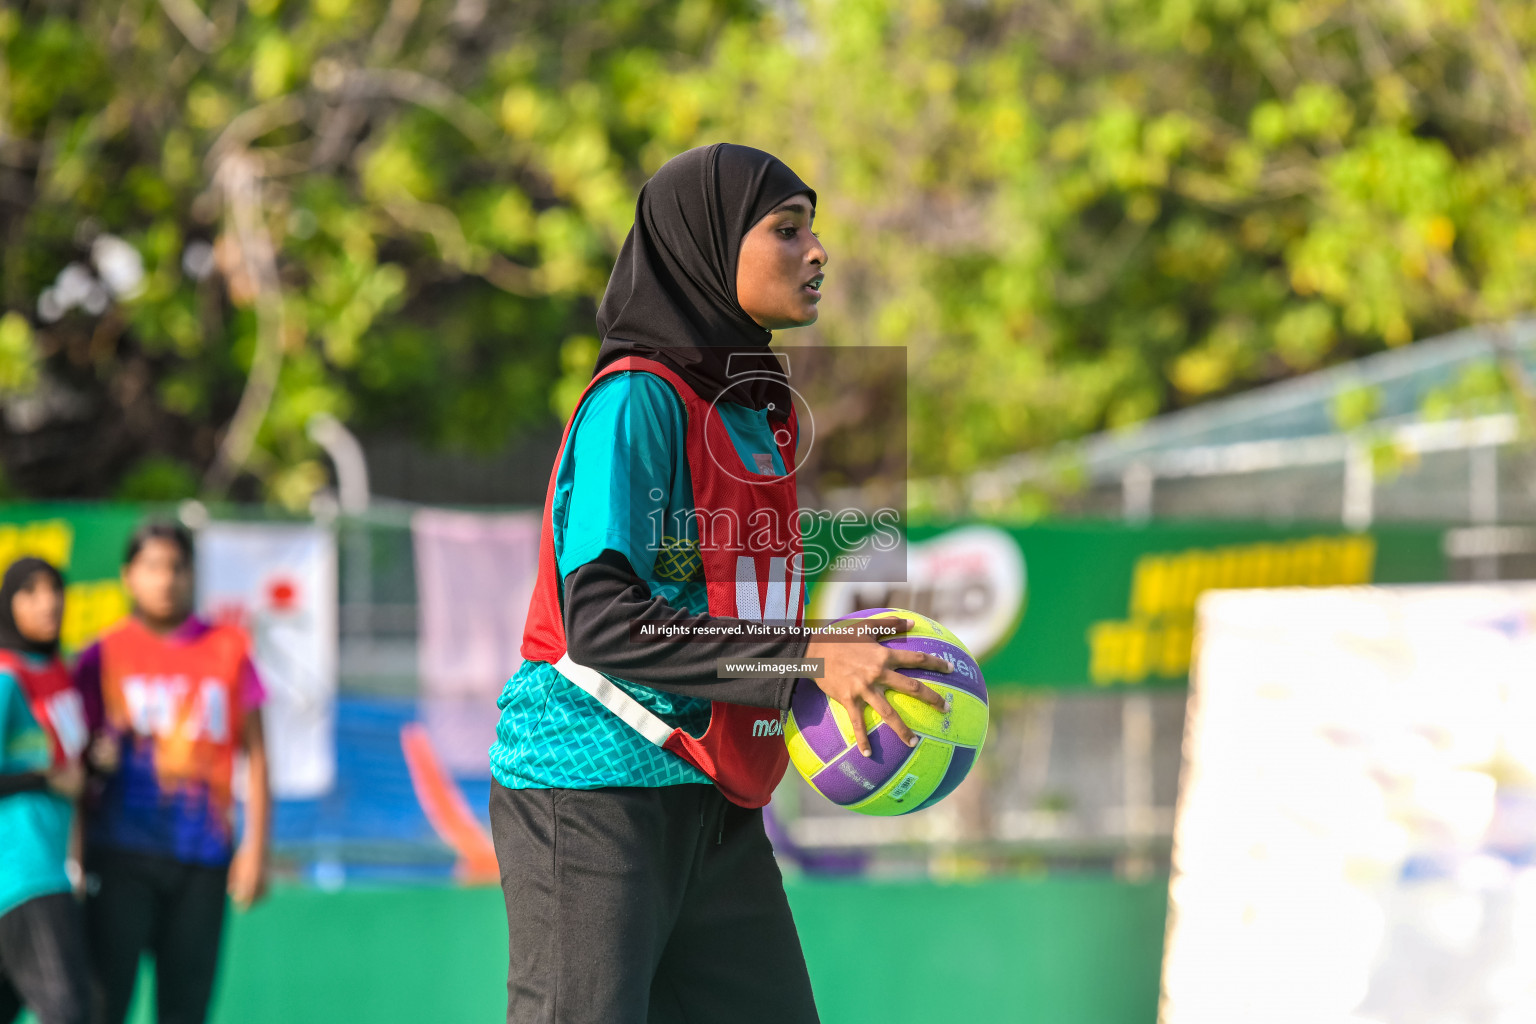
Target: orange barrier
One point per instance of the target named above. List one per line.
(445, 807)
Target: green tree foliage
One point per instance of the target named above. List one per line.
(1078, 214)
(220, 219)
(1073, 214)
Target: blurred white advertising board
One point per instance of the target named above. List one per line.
(1356, 833)
(474, 578)
(279, 581)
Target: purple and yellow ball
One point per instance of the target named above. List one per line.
(895, 778)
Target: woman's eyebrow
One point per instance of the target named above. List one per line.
(793, 206)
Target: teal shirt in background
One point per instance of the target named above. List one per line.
(34, 827)
(623, 483)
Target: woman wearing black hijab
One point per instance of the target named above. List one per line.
(43, 958)
(629, 777)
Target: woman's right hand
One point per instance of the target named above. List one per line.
(105, 753)
(858, 672)
(68, 781)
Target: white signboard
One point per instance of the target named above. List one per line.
(279, 581)
(474, 578)
(1357, 822)
(971, 579)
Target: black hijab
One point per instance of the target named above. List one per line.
(15, 580)
(672, 296)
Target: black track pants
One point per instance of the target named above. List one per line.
(138, 904)
(43, 962)
(644, 906)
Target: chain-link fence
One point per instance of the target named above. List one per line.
(1079, 780)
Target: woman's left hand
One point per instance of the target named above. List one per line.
(248, 877)
(105, 753)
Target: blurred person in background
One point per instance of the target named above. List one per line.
(43, 960)
(181, 698)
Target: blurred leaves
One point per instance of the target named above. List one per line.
(220, 219)
(1103, 211)
(157, 479)
(18, 361)
(1073, 214)
(1355, 407)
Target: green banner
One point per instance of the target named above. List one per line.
(86, 542)
(1101, 603)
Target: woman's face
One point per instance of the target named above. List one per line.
(779, 268)
(38, 609)
(159, 581)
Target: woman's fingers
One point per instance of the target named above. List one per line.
(920, 659)
(884, 710)
(856, 718)
(912, 688)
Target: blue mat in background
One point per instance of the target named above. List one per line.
(370, 827)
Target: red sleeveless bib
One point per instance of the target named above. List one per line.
(55, 703)
(181, 698)
(750, 572)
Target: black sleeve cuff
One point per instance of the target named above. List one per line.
(604, 597)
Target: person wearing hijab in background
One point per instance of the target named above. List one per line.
(43, 960)
(640, 885)
(182, 697)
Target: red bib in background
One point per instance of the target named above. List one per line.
(180, 697)
(55, 703)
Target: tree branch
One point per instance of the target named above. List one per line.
(391, 34)
(250, 125)
(414, 87)
(240, 182)
(193, 24)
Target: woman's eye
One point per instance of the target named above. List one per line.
(788, 232)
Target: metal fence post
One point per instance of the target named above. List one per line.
(1483, 504)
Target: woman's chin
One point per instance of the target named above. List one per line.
(806, 315)
(801, 316)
